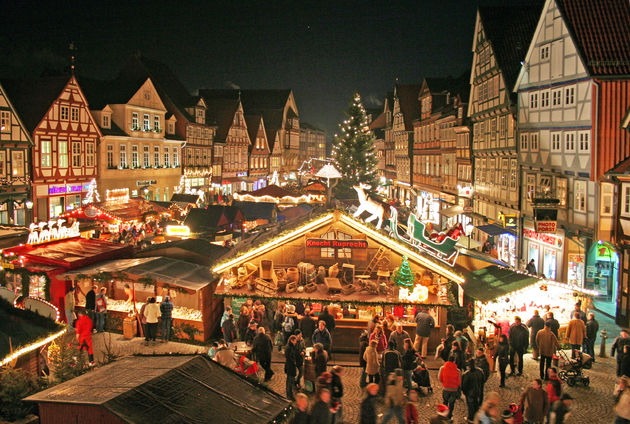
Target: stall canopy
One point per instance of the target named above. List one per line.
(495, 230)
(493, 282)
(130, 210)
(275, 194)
(168, 389)
(254, 211)
(213, 218)
(180, 273)
(194, 250)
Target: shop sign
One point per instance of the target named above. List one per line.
(145, 183)
(465, 191)
(53, 190)
(178, 230)
(543, 238)
(241, 174)
(509, 221)
(51, 231)
(546, 226)
(337, 244)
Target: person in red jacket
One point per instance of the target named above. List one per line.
(451, 381)
(84, 327)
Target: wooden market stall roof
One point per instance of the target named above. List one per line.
(133, 209)
(492, 282)
(269, 240)
(273, 194)
(168, 270)
(186, 388)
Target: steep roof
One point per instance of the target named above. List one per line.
(100, 93)
(170, 389)
(601, 31)
(166, 82)
(409, 105)
(220, 112)
(32, 97)
(253, 123)
(308, 126)
(510, 29)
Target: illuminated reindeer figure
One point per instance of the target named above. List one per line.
(61, 230)
(366, 204)
(33, 235)
(44, 235)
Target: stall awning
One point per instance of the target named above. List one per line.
(495, 230)
(452, 211)
(492, 282)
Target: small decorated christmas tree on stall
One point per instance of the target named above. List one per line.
(403, 276)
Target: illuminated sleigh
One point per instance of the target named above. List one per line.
(416, 236)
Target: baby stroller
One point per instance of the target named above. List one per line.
(571, 369)
(421, 376)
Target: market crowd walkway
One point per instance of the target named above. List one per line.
(592, 404)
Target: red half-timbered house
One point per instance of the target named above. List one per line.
(65, 137)
(258, 151)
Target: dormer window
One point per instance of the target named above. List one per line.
(171, 128)
(105, 121)
(200, 116)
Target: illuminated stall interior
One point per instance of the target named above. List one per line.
(336, 260)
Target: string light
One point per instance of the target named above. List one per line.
(29, 348)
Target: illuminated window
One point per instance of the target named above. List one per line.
(134, 156)
(17, 163)
(89, 154)
(156, 124)
(145, 157)
(62, 153)
(135, 126)
(45, 154)
(579, 192)
(5, 121)
(156, 156)
(167, 158)
(123, 155)
(146, 124)
(76, 155)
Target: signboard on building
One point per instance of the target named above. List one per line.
(549, 227)
(337, 244)
(549, 239)
(509, 221)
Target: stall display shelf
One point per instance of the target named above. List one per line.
(179, 312)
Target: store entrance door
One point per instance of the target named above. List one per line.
(602, 275)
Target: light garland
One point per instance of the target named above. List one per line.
(29, 348)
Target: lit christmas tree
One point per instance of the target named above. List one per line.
(353, 150)
(92, 194)
(403, 276)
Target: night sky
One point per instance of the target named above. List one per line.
(324, 51)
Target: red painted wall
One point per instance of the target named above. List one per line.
(613, 142)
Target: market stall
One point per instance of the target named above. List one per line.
(499, 294)
(190, 287)
(281, 196)
(335, 260)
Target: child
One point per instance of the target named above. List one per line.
(411, 412)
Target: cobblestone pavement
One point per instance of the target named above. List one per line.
(593, 404)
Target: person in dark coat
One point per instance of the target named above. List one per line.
(262, 348)
(424, 324)
(363, 344)
(327, 318)
(90, 302)
(320, 414)
(554, 325)
(481, 362)
(531, 268)
(336, 386)
(472, 386)
(291, 365)
(301, 415)
(229, 329)
(448, 342)
(243, 322)
(579, 311)
(535, 323)
(502, 354)
(322, 336)
(307, 327)
(519, 340)
(618, 349)
(592, 327)
(251, 332)
(368, 411)
(321, 359)
(408, 362)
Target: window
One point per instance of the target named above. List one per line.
(513, 173)
(556, 97)
(62, 153)
(561, 191)
(89, 154)
(175, 157)
(544, 184)
(110, 156)
(145, 157)
(3, 164)
(583, 141)
(156, 156)
(569, 142)
(146, 125)
(134, 156)
(171, 128)
(503, 126)
(531, 186)
(76, 154)
(533, 100)
(555, 141)
(626, 200)
(607, 199)
(5, 121)
(327, 252)
(123, 156)
(504, 172)
(74, 114)
(135, 126)
(524, 142)
(167, 158)
(45, 155)
(544, 99)
(569, 96)
(64, 113)
(331, 252)
(544, 53)
(106, 123)
(533, 142)
(579, 192)
(200, 116)
(156, 124)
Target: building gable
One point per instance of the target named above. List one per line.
(13, 129)
(147, 96)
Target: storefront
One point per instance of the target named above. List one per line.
(59, 198)
(335, 260)
(602, 271)
(547, 251)
(500, 242)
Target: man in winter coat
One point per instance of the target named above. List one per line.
(519, 340)
(322, 335)
(327, 318)
(166, 309)
(576, 333)
(592, 327)
(554, 325)
(535, 324)
(472, 386)
(424, 324)
(307, 326)
(451, 381)
(397, 338)
(618, 348)
(229, 329)
(262, 348)
(291, 365)
(547, 343)
(225, 356)
(84, 326)
(535, 402)
(579, 311)
(90, 302)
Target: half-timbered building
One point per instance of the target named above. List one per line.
(65, 141)
(258, 152)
